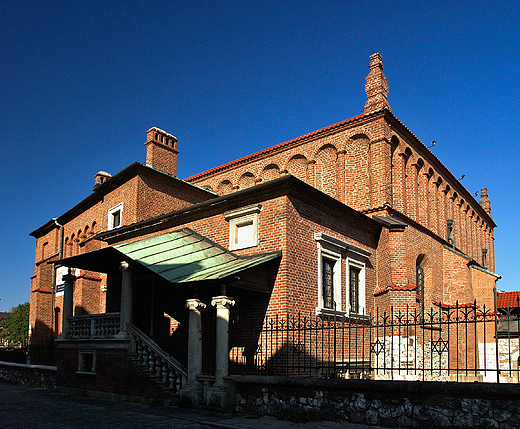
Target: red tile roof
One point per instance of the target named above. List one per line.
(511, 298)
(273, 148)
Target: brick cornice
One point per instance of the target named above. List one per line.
(306, 138)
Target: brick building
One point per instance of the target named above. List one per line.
(354, 218)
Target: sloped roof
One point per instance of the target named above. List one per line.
(185, 256)
(180, 256)
(505, 298)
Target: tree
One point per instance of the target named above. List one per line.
(15, 327)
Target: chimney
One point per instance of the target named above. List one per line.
(484, 201)
(376, 86)
(161, 150)
(101, 177)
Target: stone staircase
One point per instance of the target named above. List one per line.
(166, 371)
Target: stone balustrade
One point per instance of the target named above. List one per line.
(92, 326)
(166, 371)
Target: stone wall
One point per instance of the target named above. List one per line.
(32, 375)
(386, 403)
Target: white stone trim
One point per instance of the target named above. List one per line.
(111, 212)
(243, 226)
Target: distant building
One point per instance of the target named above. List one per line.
(354, 218)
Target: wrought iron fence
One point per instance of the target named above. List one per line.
(457, 344)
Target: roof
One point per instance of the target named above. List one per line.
(511, 298)
(356, 120)
(179, 257)
(285, 185)
(320, 132)
(107, 186)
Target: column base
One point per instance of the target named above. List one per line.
(218, 396)
(192, 393)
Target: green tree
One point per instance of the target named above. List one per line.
(15, 327)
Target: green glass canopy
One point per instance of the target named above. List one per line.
(179, 256)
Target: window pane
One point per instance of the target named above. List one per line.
(245, 233)
(327, 282)
(354, 289)
(116, 219)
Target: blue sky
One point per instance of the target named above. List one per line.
(81, 82)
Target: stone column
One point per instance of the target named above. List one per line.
(127, 299)
(223, 304)
(192, 391)
(68, 303)
(218, 393)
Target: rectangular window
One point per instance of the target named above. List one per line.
(243, 227)
(115, 216)
(356, 293)
(354, 290)
(337, 297)
(328, 283)
(86, 361)
(329, 278)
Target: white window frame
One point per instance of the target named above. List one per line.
(241, 218)
(111, 212)
(357, 261)
(332, 249)
(329, 248)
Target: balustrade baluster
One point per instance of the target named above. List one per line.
(178, 385)
(158, 367)
(145, 355)
(139, 351)
(171, 377)
(165, 373)
(151, 361)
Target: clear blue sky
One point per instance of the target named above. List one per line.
(81, 82)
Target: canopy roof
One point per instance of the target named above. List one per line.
(179, 257)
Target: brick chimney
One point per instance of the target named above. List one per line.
(101, 177)
(484, 201)
(161, 150)
(376, 86)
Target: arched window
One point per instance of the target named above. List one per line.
(419, 279)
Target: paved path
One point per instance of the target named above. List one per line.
(34, 408)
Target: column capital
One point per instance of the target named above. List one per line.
(195, 304)
(69, 277)
(223, 302)
(124, 266)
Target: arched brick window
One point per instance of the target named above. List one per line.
(246, 180)
(225, 187)
(297, 166)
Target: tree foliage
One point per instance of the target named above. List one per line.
(15, 327)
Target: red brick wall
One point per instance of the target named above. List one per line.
(115, 373)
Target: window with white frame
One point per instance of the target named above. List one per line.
(356, 293)
(243, 226)
(331, 288)
(329, 273)
(115, 216)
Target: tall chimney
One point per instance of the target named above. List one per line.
(161, 150)
(376, 86)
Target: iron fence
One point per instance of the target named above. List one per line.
(450, 344)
